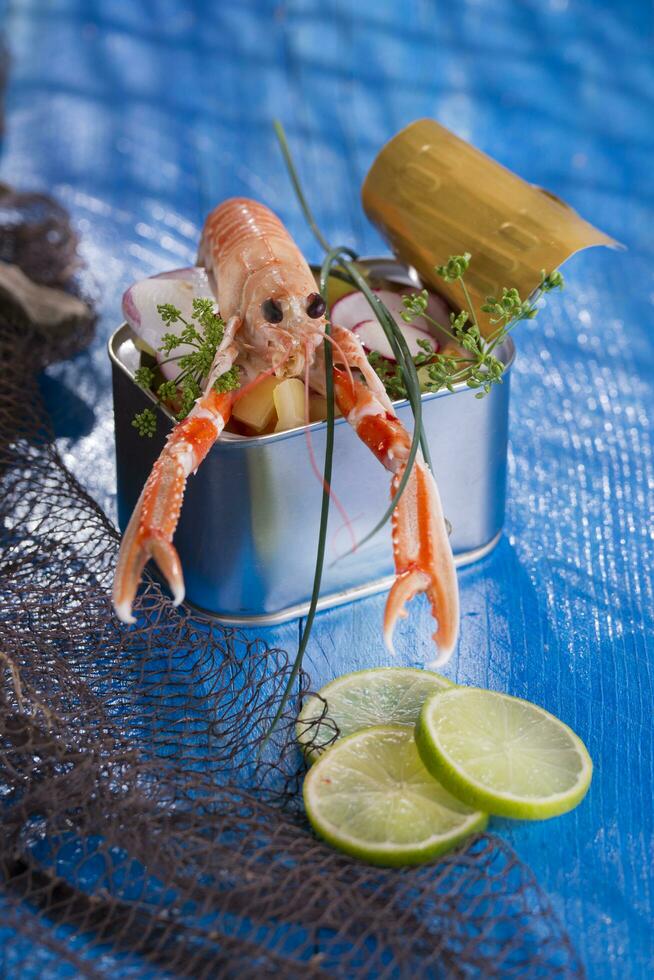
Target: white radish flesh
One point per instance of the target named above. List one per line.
(192, 273)
(373, 338)
(179, 287)
(354, 313)
(351, 309)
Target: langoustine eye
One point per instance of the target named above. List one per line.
(315, 305)
(272, 311)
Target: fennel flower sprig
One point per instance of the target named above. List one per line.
(474, 363)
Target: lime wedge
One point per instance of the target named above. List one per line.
(380, 696)
(502, 754)
(370, 796)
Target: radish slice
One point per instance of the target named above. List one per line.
(352, 309)
(179, 287)
(354, 313)
(373, 338)
(193, 273)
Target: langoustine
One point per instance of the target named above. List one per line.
(275, 323)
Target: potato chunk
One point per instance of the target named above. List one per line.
(256, 409)
(289, 403)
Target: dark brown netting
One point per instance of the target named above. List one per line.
(143, 832)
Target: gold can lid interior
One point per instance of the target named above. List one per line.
(433, 195)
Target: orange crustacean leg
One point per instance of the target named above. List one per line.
(152, 525)
(421, 547)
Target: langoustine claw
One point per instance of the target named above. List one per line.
(154, 520)
(421, 548)
(423, 560)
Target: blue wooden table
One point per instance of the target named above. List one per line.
(141, 115)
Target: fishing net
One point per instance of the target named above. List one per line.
(146, 829)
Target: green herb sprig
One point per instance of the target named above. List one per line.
(476, 364)
(145, 422)
(204, 333)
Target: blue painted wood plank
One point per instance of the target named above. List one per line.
(141, 115)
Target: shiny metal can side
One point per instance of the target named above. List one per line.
(248, 530)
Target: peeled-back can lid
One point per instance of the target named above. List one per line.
(433, 195)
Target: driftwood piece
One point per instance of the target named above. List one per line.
(42, 299)
(54, 319)
(49, 309)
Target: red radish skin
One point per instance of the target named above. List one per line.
(373, 338)
(354, 313)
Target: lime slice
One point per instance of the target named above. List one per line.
(370, 796)
(380, 696)
(502, 754)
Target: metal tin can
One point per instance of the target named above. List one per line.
(248, 530)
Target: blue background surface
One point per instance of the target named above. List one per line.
(141, 115)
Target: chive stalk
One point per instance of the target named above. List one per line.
(340, 262)
(333, 255)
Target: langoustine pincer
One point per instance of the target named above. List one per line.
(275, 323)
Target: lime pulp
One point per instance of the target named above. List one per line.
(502, 754)
(378, 696)
(370, 796)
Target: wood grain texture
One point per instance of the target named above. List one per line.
(141, 116)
